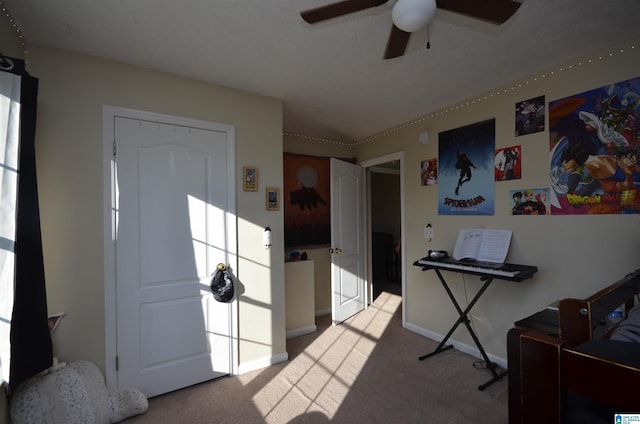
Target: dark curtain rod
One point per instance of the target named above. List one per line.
(13, 65)
(4, 61)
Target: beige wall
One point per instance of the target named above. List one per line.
(72, 91)
(10, 44)
(576, 255)
(322, 279)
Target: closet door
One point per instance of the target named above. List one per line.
(174, 225)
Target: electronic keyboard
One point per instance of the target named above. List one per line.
(499, 270)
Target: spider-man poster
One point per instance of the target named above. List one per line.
(594, 140)
(466, 165)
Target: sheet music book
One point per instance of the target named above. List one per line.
(482, 244)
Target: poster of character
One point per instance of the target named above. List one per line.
(530, 116)
(429, 172)
(508, 163)
(531, 201)
(306, 199)
(466, 163)
(594, 140)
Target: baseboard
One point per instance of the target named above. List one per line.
(321, 312)
(462, 347)
(301, 331)
(262, 363)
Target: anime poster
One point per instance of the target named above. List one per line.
(531, 201)
(466, 161)
(530, 116)
(306, 201)
(429, 172)
(594, 142)
(507, 163)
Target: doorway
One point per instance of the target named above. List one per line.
(385, 226)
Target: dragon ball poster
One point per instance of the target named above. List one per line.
(594, 140)
(466, 162)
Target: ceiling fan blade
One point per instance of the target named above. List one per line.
(397, 43)
(496, 11)
(340, 8)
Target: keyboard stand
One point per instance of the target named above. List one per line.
(465, 320)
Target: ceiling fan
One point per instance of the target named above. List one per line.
(410, 15)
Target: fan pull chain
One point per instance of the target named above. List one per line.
(428, 37)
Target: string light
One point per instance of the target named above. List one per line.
(16, 28)
(473, 101)
(441, 112)
(308, 137)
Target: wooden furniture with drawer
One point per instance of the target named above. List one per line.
(558, 356)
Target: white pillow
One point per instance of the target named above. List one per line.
(629, 329)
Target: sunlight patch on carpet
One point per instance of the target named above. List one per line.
(317, 381)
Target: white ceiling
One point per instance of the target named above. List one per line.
(331, 76)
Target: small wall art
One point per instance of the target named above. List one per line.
(530, 201)
(508, 163)
(429, 172)
(530, 116)
(273, 198)
(250, 178)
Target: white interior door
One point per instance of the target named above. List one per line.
(175, 223)
(347, 240)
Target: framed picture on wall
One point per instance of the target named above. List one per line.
(273, 198)
(250, 178)
(306, 201)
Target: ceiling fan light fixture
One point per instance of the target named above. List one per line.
(411, 15)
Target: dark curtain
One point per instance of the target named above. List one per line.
(31, 349)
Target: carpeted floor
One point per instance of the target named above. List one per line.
(365, 370)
